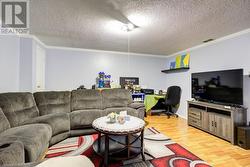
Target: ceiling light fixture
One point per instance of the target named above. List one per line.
(128, 27)
(131, 26)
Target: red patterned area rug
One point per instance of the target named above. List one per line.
(160, 151)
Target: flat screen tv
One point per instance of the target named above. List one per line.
(224, 87)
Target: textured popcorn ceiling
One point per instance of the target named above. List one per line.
(165, 26)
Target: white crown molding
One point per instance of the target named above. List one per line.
(106, 51)
(234, 35)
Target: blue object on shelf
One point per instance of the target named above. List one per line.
(172, 65)
(139, 97)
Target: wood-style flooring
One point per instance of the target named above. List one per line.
(215, 151)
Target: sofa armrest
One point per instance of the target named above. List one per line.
(140, 108)
(135, 105)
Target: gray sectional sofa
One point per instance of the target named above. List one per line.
(30, 123)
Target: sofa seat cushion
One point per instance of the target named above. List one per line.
(18, 107)
(82, 132)
(59, 122)
(58, 138)
(53, 102)
(130, 111)
(140, 108)
(86, 99)
(11, 153)
(4, 123)
(35, 139)
(83, 118)
(116, 98)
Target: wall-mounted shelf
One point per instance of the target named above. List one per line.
(175, 70)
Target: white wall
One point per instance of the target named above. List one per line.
(9, 63)
(25, 72)
(32, 70)
(18, 66)
(67, 69)
(39, 60)
(228, 54)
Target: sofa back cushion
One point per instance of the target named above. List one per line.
(18, 107)
(116, 98)
(4, 123)
(53, 102)
(86, 99)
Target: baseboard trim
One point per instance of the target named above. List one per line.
(181, 116)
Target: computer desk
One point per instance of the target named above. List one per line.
(151, 100)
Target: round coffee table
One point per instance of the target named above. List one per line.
(119, 141)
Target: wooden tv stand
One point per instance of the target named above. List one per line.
(216, 119)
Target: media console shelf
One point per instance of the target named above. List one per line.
(216, 119)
